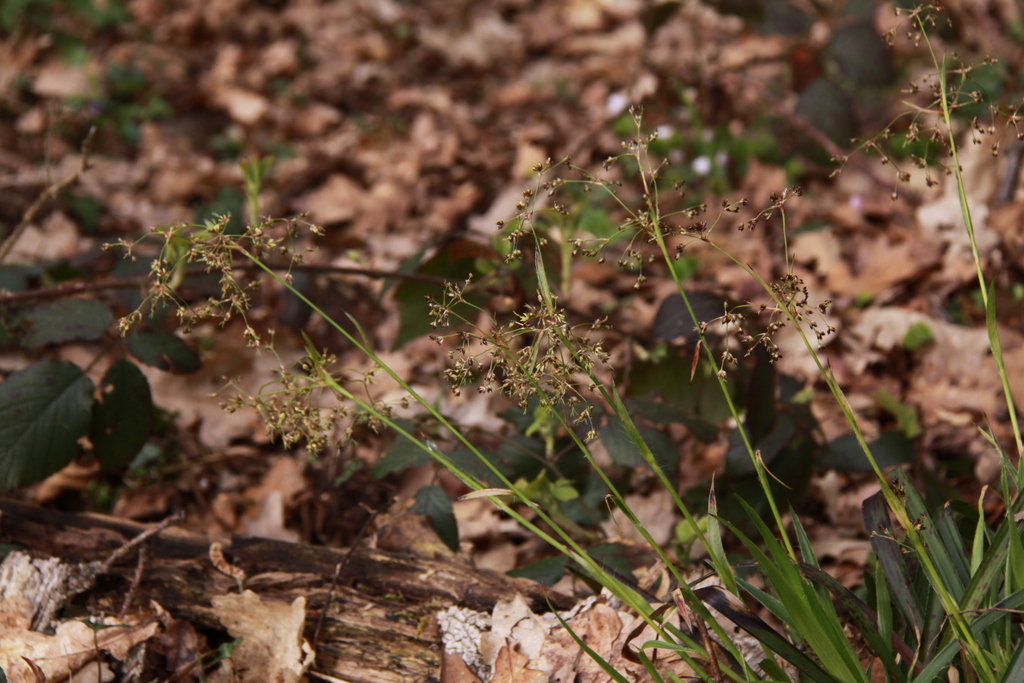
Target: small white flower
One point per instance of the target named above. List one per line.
(617, 103)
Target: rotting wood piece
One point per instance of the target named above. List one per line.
(379, 626)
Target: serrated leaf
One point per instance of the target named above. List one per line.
(163, 350)
(123, 419)
(66, 320)
(44, 410)
(433, 502)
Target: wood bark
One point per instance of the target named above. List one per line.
(378, 627)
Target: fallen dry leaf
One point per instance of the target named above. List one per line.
(72, 648)
(657, 513)
(955, 373)
(272, 649)
(279, 490)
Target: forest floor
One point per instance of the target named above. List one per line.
(409, 130)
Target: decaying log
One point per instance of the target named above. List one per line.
(379, 625)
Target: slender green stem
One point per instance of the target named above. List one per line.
(965, 211)
(567, 545)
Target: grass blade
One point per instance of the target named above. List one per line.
(894, 569)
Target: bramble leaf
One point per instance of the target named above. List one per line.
(122, 421)
(44, 410)
(66, 320)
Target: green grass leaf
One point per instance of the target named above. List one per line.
(894, 568)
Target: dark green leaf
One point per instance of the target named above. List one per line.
(738, 462)
(940, 552)
(229, 202)
(673, 323)
(123, 419)
(952, 542)
(66, 320)
(521, 418)
(521, 456)
(547, 571)
(861, 55)
(665, 453)
(829, 109)
(668, 379)
(845, 454)
(894, 569)
(772, 668)
(865, 619)
(1014, 670)
(44, 410)
(65, 271)
(734, 610)
(454, 262)
(433, 502)
(663, 414)
(470, 462)
(989, 573)
(15, 278)
(762, 398)
(84, 209)
(403, 454)
(618, 443)
(611, 556)
(163, 350)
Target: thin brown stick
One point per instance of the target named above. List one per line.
(47, 194)
(141, 538)
(108, 284)
(140, 565)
